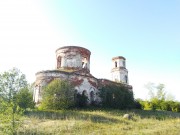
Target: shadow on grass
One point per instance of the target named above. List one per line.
(69, 114)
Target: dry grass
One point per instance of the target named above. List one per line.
(100, 122)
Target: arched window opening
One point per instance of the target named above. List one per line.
(84, 63)
(84, 93)
(115, 64)
(59, 62)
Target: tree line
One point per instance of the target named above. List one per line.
(158, 99)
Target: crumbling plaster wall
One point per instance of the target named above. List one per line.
(88, 85)
(120, 75)
(81, 83)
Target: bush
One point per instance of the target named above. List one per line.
(116, 96)
(161, 105)
(58, 94)
(175, 106)
(165, 106)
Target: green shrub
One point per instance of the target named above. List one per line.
(147, 105)
(165, 106)
(175, 106)
(161, 105)
(58, 94)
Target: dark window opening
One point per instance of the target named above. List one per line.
(115, 64)
(84, 93)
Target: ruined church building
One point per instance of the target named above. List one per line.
(73, 64)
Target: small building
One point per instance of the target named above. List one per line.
(73, 64)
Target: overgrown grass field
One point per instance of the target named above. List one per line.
(99, 122)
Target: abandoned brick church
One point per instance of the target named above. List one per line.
(73, 64)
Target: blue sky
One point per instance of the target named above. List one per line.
(147, 33)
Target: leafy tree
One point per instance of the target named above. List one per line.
(58, 94)
(148, 105)
(156, 91)
(156, 104)
(11, 82)
(151, 87)
(161, 94)
(175, 106)
(170, 97)
(24, 98)
(166, 105)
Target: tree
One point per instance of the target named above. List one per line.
(156, 91)
(11, 82)
(151, 87)
(58, 94)
(24, 98)
(161, 94)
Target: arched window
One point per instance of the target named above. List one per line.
(84, 93)
(84, 63)
(115, 63)
(59, 62)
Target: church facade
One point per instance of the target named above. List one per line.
(73, 65)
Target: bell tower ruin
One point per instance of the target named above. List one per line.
(119, 72)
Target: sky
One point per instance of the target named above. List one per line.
(146, 33)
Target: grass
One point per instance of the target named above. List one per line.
(99, 122)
